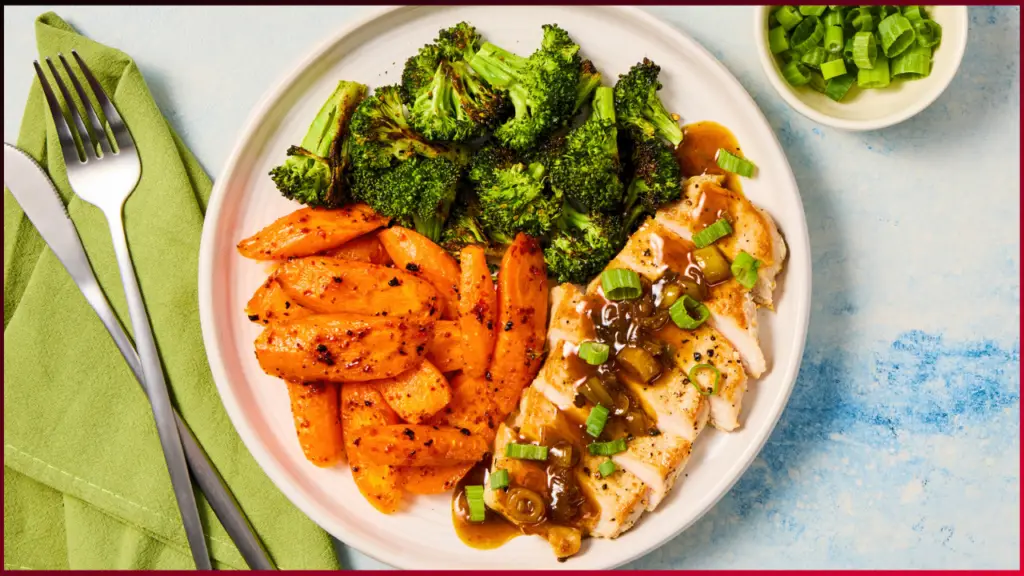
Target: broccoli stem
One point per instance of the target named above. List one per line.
(497, 66)
(666, 126)
(430, 227)
(588, 83)
(536, 170)
(604, 103)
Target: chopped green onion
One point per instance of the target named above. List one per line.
(807, 34)
(777, 40)
(886, 11)
(736, 164)
(813, 57)
(499, 479)
(620, 284)
(877, 77)
(851, 17)
(475, 499)
(788, 17)
(607, 468)
(697, 370)
(526, 451)
(817, 83)
(834, 39)
(607, 448)
(864, 22)
(680, 313)
(813, 10)
(865, 51)
(796, 73)
(593, 353)
(838, 87)
(833, 18)
(833, 68)
(913, 13)
(848, 49)
(915, 62)
(596, 420)
(897, 34)
(708, 236)
(744, 269)
(929, 33)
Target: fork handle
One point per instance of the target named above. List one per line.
(156, 388)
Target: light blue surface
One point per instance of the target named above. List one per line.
(900, 446)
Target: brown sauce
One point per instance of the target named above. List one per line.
(495, 530)
(698, 152)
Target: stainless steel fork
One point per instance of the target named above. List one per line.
(104, 176)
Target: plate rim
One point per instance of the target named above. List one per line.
(211, 332)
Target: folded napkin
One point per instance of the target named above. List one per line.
(85, 484)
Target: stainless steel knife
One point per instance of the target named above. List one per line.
(34, 191)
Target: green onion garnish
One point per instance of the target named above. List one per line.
(915, 62)
(913, 13)
(876, 77)
(526, 451)
(813, 57)
(833, 68)
(796, 73)
(817, 82)
(475, 499)
(837, 88)
(777, 41)
(834, 39)
(696, 370)
(744, 269)
(607, 468)
(621, 284)
(848, 49)
(736, 164)
(832, 18)
(681, 311)
(499, 479)
(607, 448)
(897, 34)
(593, 353)
(865, 51)
(813, 10)
(864, 22)
(929, 33)
(596, 420)
(708, 236)
(807, 34)
(788, 17)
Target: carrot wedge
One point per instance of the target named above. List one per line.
(317, 421)
(417, 394)
(522, 321)
(470, 408)
(310, 230)
(433, 479)
(366, 248)
(341, 347)
(416, 253)
(416, 445)
(478, 309)
(445, 349)
(270, 303)
(328, 285)
(363, 406)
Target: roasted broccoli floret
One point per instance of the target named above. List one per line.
(656, 180)
(587, 172)
(583, 245)
(640, 110)
(589, 80)
(542, 87)
(518, 200)
(447, 99)
(464, 228)
(396, 171)
(315, 172)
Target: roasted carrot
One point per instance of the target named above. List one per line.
(445, 349)
(433, 479)
(342, 347)
(328, 285)
(522, 321)
(366, 248)
(470, 408)
(317, 421)
(270, 304)
(416, 445)
(310, 230)
(417, 394)
(478, 308)
(416, 253)
(363, 406)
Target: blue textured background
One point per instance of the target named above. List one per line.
(900, 446)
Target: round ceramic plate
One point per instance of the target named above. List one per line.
(244, 200)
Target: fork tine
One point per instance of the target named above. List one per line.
(97, 127)
(121, 134)
(83, 133)
(67, 140)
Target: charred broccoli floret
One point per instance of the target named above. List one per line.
(315, 172)
(465, 228)
(589, 80)
(515, 198)
(397, 172)
(640, 110)
(542, 87)
(447, 99)
(656, 180)
(587, 172)
(582, 245)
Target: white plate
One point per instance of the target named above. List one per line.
(244, 200)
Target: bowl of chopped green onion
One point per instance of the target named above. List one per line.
(860, 67)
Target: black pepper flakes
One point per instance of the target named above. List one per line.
(508, 326)
(411, 267)
(696, 356)
(254, 317)
(408, 432)
(394, 282)
(465, 431)
(429, 443)
(337, 279)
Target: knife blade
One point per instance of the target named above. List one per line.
(39, 199)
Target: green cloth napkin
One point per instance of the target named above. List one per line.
(85, 484)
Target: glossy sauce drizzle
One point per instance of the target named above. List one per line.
(698, 152)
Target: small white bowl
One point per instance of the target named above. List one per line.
(879, 108)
